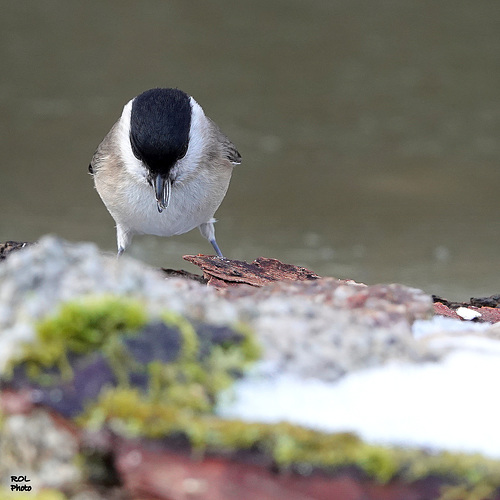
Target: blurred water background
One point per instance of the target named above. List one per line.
(369, 130)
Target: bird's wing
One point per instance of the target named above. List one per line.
(228, 148)
(103, 151)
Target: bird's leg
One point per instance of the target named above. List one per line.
(207, 230)
(123, 238)
(216, 248)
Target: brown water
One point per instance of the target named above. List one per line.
(370, 131)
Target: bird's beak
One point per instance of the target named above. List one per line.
(162, 186)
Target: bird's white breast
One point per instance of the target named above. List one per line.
(191, 204)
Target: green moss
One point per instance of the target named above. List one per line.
(190, 344)
(464, 492)
(79, 327)
(378, 461)
(99, 323)
(193, 381)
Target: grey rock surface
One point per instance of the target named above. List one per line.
(322, 328)
(34, 446)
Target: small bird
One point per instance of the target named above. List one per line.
(163, 168)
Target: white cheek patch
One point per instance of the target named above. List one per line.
(197, 144)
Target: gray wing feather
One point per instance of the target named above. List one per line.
(228, 148)
(104, 150)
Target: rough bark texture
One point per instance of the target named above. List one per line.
(222, 273)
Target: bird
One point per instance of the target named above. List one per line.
(163, 168)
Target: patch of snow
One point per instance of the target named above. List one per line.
(451, 405)
(439, 324)
(469, 342)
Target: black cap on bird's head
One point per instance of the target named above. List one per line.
(159, 135)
